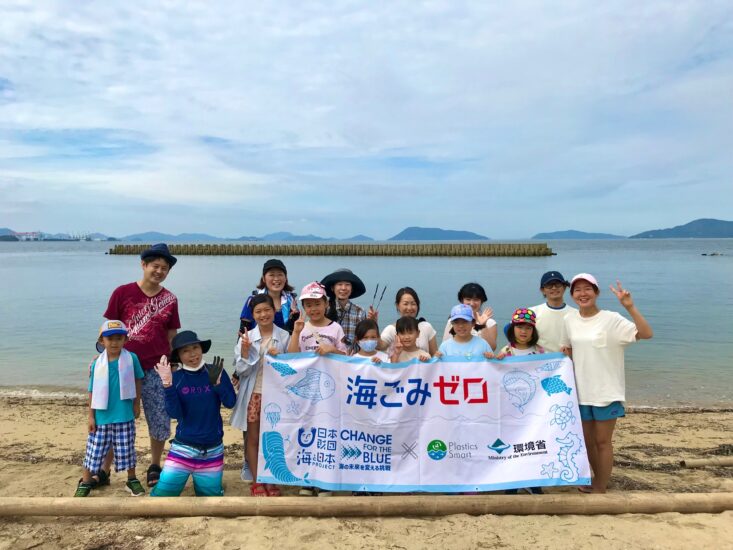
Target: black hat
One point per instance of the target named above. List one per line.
(346, 276)
(186, 338)
(274, 264)
(553, 276)
(159, 250)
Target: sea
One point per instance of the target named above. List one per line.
(53, 294)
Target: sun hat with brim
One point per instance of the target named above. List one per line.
(187, 338)
(344, 275)
(584, 277)
(159, 250)
(109, 328)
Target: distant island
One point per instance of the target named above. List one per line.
(704, 228)
(436, 234)
(573, 234)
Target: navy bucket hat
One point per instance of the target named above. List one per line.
(159, 250)
(186, 338)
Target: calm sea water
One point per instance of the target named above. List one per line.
(53, 296)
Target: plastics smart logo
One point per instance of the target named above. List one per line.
(437, 449)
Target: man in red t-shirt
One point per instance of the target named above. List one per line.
(150, 313)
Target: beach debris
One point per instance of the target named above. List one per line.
(520, 386)
(554, 384)
(283, 368)
(562, 415)
(315, 385)
(272, 414)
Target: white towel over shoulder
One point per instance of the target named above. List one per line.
(100, 384)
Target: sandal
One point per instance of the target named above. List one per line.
(585, 489)
(258, 490)
(272, 490)
(100, 479)
(153, 475)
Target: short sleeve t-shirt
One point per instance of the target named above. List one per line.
(550, 325)
(427, 333)
(311, 337)
(447, 335)
(118, 410)
(410, 355)
(476, 347)
(148, 320)
(598, 344)
(379, 355)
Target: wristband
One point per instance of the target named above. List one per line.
(479, 327)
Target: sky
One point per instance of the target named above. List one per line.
(344, 118)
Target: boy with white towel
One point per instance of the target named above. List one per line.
(114, 403)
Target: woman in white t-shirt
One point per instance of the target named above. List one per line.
(474, 295)
(407, 303)
(596, 339)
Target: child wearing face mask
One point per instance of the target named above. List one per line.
(366, 336)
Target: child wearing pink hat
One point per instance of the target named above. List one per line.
(314, 331)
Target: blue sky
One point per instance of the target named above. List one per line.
(338, 118)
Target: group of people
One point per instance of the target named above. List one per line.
(144, 358)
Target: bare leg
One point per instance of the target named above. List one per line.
(107, 463)
(590, 448)
(603, 433)
(252, 446)
(156, 450)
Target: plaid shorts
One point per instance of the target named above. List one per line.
(121, 437)
(153, 399)
(254, 407)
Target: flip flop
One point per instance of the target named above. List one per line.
(272, 490)
(258, 490)
(153, 475)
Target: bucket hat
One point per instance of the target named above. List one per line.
(159, 250)
(186, 338)
(346, 276)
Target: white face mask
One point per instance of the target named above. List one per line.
(368, 345)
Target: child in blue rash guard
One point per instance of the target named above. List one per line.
(194, 395)
(463, 342)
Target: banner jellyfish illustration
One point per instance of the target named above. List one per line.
(272, 414)
(520, 386)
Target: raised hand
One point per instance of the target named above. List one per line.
(163, 368)
(483, 316)
(373, 314)
(299, 325)
(623, 295)
(215, 371)
(246, 343)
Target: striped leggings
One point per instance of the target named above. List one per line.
(206, 466)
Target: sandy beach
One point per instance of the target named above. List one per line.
(43, 443)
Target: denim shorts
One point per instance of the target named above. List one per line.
(609, 412)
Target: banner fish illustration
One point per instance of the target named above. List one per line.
(554, 384)
(550, 366)
(273, 450)
(283, 368)
(520, 386)
(315, 385)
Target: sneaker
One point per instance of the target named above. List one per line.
(83, 489)
(135, 487)
(307, 492)
(246, 473)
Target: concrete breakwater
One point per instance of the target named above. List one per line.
(348, 249)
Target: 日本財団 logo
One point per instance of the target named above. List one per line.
(437, 449)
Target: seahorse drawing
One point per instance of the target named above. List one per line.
(570, 446)
(274, 451)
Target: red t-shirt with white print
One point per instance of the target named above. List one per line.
(148, 320)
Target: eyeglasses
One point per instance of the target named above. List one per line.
(554, 284)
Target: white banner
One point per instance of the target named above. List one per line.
(450, 425)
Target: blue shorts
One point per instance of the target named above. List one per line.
(609, 412)
(121, 437)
